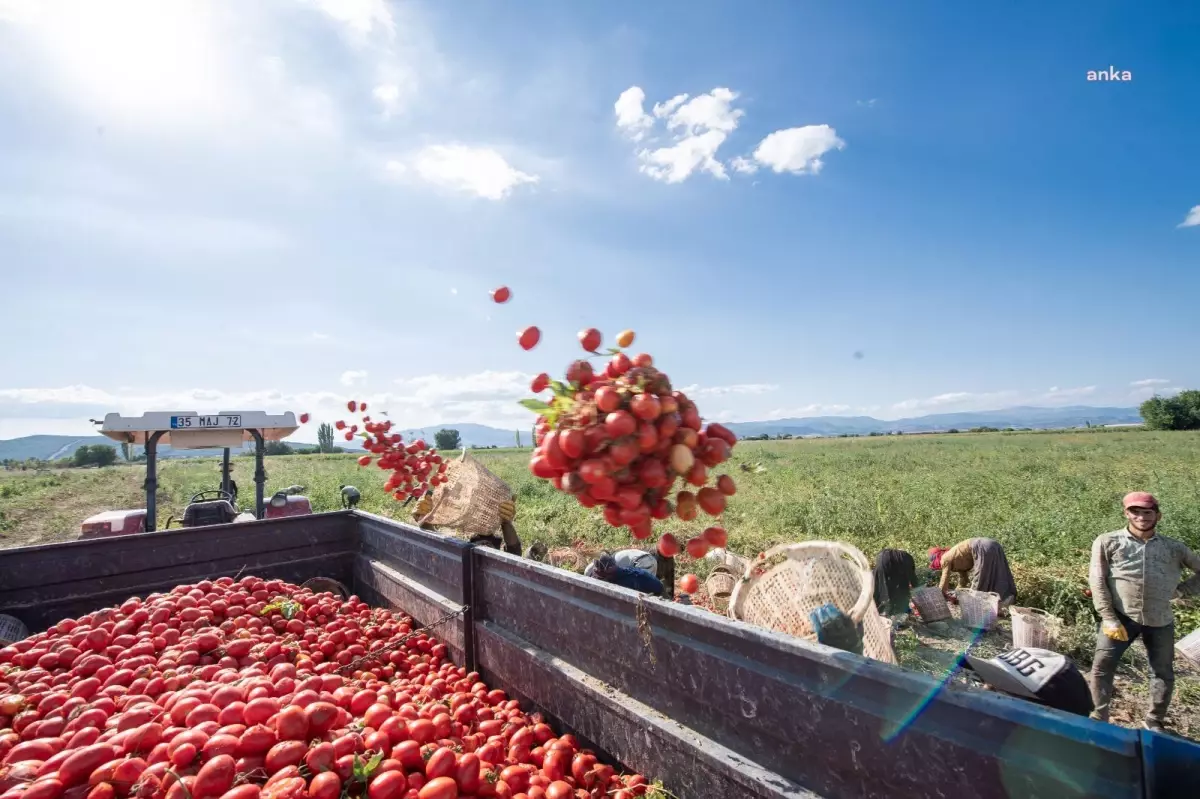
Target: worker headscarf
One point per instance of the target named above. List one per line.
(605, 566)
(935, 557)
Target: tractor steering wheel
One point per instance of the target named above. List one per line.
(203, 496)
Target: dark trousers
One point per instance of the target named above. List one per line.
(1160, 648)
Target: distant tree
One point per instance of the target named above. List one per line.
(325, 437)
(1181, 412)
(103, 455)
(952, 430)
(875, 433)
(277, 448)
(82, 456)
(447, 439)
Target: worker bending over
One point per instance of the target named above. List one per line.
(895, 577)
(1134, 575)
(350, 497)
(980, 564)
(607, 569)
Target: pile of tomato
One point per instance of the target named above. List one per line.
(258, 689)
(619, 437)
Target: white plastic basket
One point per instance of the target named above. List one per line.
(980, 609)
(1189, 647)
(12, 630)
(1033, 627)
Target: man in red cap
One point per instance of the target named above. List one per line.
(1134, 576)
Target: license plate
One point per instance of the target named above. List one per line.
(205, 422)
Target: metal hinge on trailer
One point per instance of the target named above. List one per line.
(352, 665)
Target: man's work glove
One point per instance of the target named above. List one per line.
(1114, 630)
(508, 511)
(424, 506)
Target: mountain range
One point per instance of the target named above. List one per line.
(47, 447)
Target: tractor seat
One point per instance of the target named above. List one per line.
(202, 514)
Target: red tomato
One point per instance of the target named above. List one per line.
(388, 785)
(439, 788)
(501, 294)
(559, 790)
(214, 778)
(326, 785)
(440, 763)
(466, 773)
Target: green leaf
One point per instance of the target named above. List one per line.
(560, 388)
(535, 405)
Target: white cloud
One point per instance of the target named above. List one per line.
(1057, 393)
(453, 290)
(744, 165)
(315, 336)
(481, 171)
(360, 16)
(353, 377)
(815, 409)
(1150, 381)
(797, 150)
(868, 103)
(388, 96)
(957, 401)
(737, 388)
(1193, 218)
(631, 116)
(488, 398)
(699, 125)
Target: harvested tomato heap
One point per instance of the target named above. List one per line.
(257, 689)
(415, 467)
(620, 438)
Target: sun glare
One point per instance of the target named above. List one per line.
(153, 60)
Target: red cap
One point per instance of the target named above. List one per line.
(1140, 499)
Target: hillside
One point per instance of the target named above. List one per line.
(480, 436)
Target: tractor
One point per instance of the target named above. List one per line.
(190, 430)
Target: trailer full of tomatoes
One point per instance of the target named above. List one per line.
(621, 437)
(257, 689)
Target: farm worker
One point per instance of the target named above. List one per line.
(1134, 575)
(507, 540)
(895, 577)
(233, 492)
(350, 496)
(629, 559)
(980, 564)
(607, 569)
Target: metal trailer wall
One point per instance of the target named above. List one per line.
(715, 708)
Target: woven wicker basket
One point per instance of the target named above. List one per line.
(979, 608)
(931, 604)
(814, 573)
(319, 585)
(1034, 627)
(720, 582)
(468, 503)
(877, 638)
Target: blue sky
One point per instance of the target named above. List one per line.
(282, 204)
